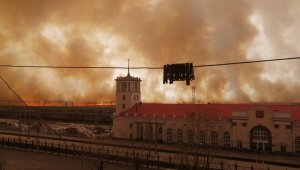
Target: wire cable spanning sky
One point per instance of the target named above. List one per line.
(138, 68)
(107, 33)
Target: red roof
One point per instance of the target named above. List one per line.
(216, 111)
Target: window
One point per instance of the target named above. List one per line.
(288, 127)
(283, 148)
(128, 86)
(259, 114)
(191, 136)
(260, 134)
(213, 138)
(240, 145)
(276, 126)
(260, 139)
(124, 97)
(123, 86)
(233, 124)
(169, 135)
(137, 97)
(226, 139)
(136, 87)
(123, 106)
(244, 124)
(297, 144)
(179, 136)
(130, 125)
(202, 137)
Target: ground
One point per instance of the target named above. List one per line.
(24, 160)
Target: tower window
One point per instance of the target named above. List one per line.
(124, 97)
(123, 86)
(128, 86)
(123, 106)
(135, 87)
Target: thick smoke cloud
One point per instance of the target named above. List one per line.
(149, 33)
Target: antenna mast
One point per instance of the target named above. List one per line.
(128, 74)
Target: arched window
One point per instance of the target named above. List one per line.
(190, 136)
(297, 144)
(226, 139)
(260, 138)
(213, 138)
(179, 136)
(202, 137)
(169, 135)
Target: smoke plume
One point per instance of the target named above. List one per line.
(150, 33)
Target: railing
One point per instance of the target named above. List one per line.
(137, 158)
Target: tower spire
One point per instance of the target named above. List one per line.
(128, 74)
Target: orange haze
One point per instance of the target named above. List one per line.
(150, 33)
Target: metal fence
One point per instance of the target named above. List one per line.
(136, 158)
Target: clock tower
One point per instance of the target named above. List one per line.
(128, 91)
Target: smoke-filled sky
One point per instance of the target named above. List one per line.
(150, 33)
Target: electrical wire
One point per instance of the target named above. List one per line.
(248, 62)
(138, 68)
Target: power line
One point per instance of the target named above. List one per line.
(139, 68)
(248, 62)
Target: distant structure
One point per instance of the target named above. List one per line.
(254, 127)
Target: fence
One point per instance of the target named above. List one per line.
(137, 158)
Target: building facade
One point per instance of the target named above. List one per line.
(255, 127)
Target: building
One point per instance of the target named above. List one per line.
(127, 92)
(255, 127)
